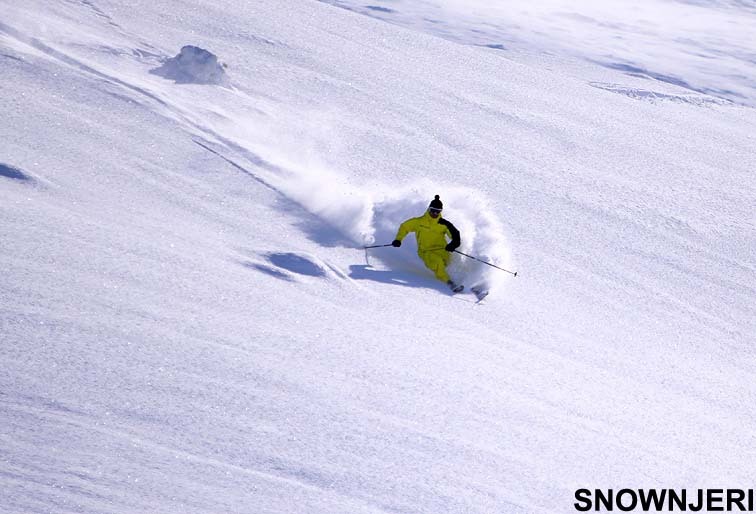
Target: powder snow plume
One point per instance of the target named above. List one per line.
(366, 214)
(373, 216)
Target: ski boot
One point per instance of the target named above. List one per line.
(456, 288)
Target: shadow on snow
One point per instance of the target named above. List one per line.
(394, 277)
(13, 173)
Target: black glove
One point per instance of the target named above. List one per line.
(396, 243)
(451, 247)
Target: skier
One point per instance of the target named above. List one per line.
(430, 232)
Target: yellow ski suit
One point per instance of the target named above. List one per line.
(431, 241)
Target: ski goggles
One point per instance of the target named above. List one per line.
(435, 211)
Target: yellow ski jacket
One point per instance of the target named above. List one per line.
(430, 232)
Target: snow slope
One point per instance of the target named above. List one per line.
(189, 324)
(705, 46)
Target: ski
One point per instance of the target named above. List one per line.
(480, 293)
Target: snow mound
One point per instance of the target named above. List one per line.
(193, 65)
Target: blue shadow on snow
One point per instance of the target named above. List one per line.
(13, 173)
(378, 8)
(297, 264)
(407, 279)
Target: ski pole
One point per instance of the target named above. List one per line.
(486, 262)
(367, 261)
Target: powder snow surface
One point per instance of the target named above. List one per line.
(188, 322)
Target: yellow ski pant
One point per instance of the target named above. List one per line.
(436, 261)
